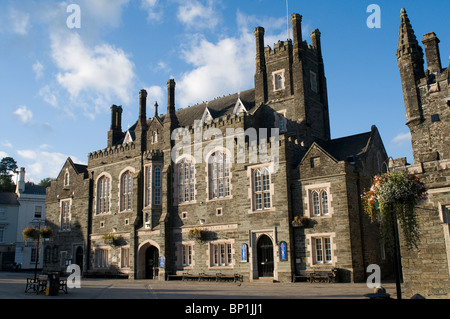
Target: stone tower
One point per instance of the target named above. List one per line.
(292, 73)
(425, 93)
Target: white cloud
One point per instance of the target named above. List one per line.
(38, 69)
(151, 6)
(27, 154)
(226, 66)
(40, 164)
(155, 94)
(3, 154)
(24, 114)
(19, 21)
(194, 14)
(48, 95)
(94, 77)
(402, 138)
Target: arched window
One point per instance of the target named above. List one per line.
(103, 195)
(316, 203)
(126, 191)
(324, 203)
(66, 178)
(319, 202)
(218, 175)
(157, 186)
(261, 189)
(186, 177)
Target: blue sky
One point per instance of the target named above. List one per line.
(57, 84)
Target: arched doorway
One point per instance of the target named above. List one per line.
(151, 262)
(79, 258)
(265, 256)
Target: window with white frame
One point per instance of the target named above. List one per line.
(101, 258)
(221, 254)
(157, 186)
(65, 215)
(186, 255)
(261, 188)
(318, 200)
(186, 180)
(38, 212)
(126, 191)
(322, 250)
(278, 80)
(219, 175)
(103, 195)
(147, 185)
(33, 257)
(66, 178)
(125, 257)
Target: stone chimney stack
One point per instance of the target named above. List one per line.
(432, 55)
(21, 181)
(142, 107)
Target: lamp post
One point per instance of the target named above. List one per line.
(37, 222)
(397, 257)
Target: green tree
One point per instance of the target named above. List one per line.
(8, 166)
(45, 182)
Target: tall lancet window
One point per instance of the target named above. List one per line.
(126, 191)
(219, 175)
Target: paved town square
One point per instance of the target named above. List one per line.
(12, 286)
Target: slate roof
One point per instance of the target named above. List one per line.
(9, 199)
(217, 107)
(34, 190)
(341, 148)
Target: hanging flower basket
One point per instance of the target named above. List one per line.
(198, 234)
(30, 233)
(395, 193)
(46, 232)
(112, 240)
(301, 221)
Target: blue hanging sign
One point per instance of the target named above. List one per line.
(162, 261)
(244, 251)
(283, 255)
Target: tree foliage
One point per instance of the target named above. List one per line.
(8, 167)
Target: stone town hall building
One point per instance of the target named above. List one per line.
(134, 191)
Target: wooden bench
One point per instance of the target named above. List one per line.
(39, 285)
(323, 275)
(205, 276)
(301, 275)
(189, 276)
(63, 285)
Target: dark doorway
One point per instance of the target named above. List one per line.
(265, 256)
(79, 258)
(151, 262)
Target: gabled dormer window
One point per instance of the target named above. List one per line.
(207, 117)
(128, 138)
(239, 107)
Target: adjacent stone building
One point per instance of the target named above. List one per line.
(215, 187)
(426, 270)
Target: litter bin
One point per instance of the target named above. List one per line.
(54, 283)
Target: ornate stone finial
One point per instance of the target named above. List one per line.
(156, 109)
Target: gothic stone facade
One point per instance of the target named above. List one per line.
(152, 204)
(426, 270)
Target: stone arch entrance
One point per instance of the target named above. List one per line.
(264, 251)
(148, 261)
